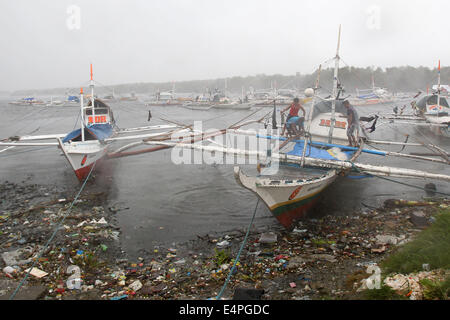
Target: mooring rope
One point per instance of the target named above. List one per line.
(53, 235)
(238, 255)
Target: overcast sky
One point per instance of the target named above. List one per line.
(44, 46)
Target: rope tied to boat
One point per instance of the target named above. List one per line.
(236, 261)
(59, 225)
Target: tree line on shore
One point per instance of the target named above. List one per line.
(395, 79)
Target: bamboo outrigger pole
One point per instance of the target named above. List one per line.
(314, 162)
(322, 144)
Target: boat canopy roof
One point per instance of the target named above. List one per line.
(95, 132)
(320, 153)
(431, 100)
(324, 106)
(73, 98)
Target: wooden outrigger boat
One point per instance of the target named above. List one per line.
(430, 110)
(290, 197)
(89, 145)
(307, 166)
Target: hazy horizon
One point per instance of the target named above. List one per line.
(50, 44)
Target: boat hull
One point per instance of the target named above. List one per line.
(288, 200)
(82, 156)
(231, 106)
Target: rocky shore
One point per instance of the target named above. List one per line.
(323, 258)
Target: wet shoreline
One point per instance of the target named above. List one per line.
(320, 259)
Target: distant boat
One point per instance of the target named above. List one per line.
(434, 112)
(198, 105)
(375, 95)
(72, 101)
(434, 108)
(164, 99)
(132, 97)
(55, 103)
(30, 101)
(233, 106)
(110, 97)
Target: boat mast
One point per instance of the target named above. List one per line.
(439, 88)
(92, 96)
(82, 113)
(373, 82)
(335, 90)
(308, 125)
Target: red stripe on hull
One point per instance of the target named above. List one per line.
(288, 217)
(83, 172)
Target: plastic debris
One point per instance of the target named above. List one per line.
(223, 244)
(135, 286)
(268, 238)
(37, 272)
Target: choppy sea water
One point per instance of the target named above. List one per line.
(164, 203)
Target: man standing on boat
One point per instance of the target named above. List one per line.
(353, 124)
(293, 112)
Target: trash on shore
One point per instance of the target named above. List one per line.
(305, 263)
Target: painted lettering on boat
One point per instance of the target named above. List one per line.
(295, 193)
(434, 107)
(338, 124)
(98, 119)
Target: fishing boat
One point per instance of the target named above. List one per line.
(374, 95)
(434, 109)
(294, 190)
(163, 99)
(279, 100)
(292, 176)
(132, 97)
(30, 101)
(235, 105)
(88, 145)
(110, 97)
(55, 103)
(429, 110)
(197, 105)
(72, 101)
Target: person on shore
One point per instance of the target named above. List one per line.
(294, 108)
(353, 124)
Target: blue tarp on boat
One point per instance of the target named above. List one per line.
(318, 153)
(98, 131)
